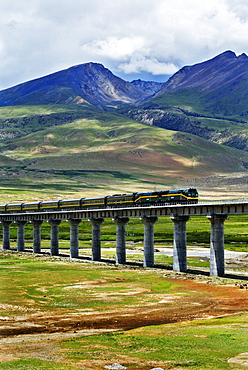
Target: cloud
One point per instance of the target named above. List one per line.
(114, 48)
(145, 37)
(141, 63)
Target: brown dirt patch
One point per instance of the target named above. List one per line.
(36, 334)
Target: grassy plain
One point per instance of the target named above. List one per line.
(62, 314)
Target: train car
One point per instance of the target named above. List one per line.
(2, 208)
(168, 196)
(70, 203)
(49, 205)
(180, 196)
(28, 207)
(192, 195)
(13, 207)
(119, 200)
(147, 198)
(89, 203)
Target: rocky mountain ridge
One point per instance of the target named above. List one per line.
(220, 77)
(89, 83)
(224, 69)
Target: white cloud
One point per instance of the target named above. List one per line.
(155, 37)
(145, 64)
(114, 48)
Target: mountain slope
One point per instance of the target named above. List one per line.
(106, 153)
(86, 83)
(222, 70)
(218, 86)
(208, 99)
(92, 144)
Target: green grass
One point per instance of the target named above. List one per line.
(50, 286)
(200, 345)
(195, 346)
(188, 99)
(213, 104)
(32, 110)
(30, 283)
(33, 364)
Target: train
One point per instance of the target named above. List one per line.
(163, 197)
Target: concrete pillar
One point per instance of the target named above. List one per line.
(6, 234)
(148, 240)
(179, 251)
(217, 258)
(54, 243)
(96, 238)
(36, 235)
(74, 237)
(20, 235)
(121, 239)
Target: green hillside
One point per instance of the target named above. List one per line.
(102, 154)
(199, 106)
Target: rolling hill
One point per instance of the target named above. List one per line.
(106, 154)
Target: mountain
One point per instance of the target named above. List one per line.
(208, 99)
(90, 83)
(218, 86)
(224, 70)
(85, 131)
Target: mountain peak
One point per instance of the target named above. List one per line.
(84, 83)
(227, 54)
(93, 83)
(209, 75)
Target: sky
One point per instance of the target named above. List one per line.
(146, 39)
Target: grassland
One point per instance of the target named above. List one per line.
(61, 314)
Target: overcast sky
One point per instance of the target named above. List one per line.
(147, 39)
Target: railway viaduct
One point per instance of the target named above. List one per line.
(216, 213)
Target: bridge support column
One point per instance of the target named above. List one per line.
(121, 239)
(36, 235)
(217, 258)
(96, 238)
(20, 235)
(74, 237)
(6, 234)
(54, 243)
(180, 251)
(148, 240)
